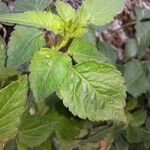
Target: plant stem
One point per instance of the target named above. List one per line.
(62, 44)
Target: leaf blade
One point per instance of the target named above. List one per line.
(48, 69)
(20, 50)
(27, 5)
(7, 72)
(143, 37)
(3, 8)
(64, 9)
(12, 105)
(38, 19)
(2, 52)
(137, 118)
(82, 51)
(135, 77)
(101, 12)
(90, 92)
(34, 130)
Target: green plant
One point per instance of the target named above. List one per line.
(66, 64)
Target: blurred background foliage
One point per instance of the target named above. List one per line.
(125, 43)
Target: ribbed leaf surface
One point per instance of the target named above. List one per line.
(22, 6)
(95, 91)
(24, 41)
(37, 19)
(12, 105)
(82, 50)
(48, 69)
(101, 12)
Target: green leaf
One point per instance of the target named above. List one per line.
(148, 97)
(143, 37)
(20, 50)
(26, 5)
(147, 124)
(46, 145)
(100, 12)
(82, 50)
(142, 13)
(135, 77)
(131, 104)
(146, 144)
(137, 134)
(3, 8)
(89, 146)
(90, 35)
(37, 19)
(98, 133)
(1, 145)
(131, 48)
(12, 105)
(48, 69)
(79, 31)
(137, 118)
(120, 144)
(146, 65)
(2, 52)
(95, 91)
(34, 130)
(65, 11)
(67, 129)
(7, 72)
(110, 54)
